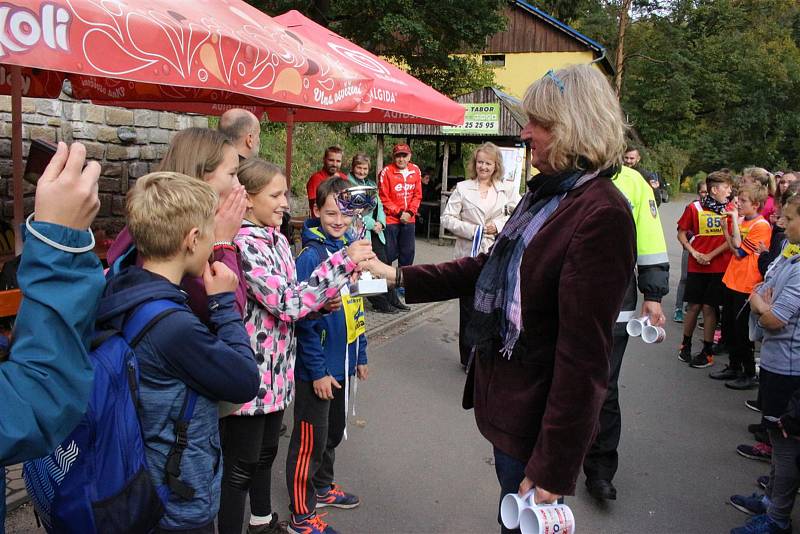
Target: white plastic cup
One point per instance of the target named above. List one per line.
(653, 334)
(547, 519)
(636, 326)
(511, 506)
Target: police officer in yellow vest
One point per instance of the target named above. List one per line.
(601, 462)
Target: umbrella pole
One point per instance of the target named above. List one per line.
(289, 141)
(16, 153)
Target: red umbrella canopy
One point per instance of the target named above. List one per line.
(395, 96)
(201, 55)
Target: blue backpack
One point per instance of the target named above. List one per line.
(97, 480)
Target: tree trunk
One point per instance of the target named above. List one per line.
(619, 62)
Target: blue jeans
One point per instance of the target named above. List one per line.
(510, 473)
(400, 242)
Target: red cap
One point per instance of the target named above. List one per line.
(401, 148)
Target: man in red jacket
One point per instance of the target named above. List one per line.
(331, 166)
(400, 189)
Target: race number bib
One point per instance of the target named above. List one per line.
(354, 315)
(791, 249)
(709, 223)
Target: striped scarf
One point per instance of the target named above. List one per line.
(497, 306)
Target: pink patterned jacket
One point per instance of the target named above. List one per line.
(275, 300)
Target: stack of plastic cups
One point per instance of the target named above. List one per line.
(642, 327)
(530, 518)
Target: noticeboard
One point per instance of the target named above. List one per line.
(479, 119)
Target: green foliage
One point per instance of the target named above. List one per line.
(420, 34)
(717, 79)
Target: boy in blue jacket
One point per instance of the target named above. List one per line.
(171, 220)
(46, 381)
(330, 350)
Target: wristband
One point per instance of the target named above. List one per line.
(58, 246)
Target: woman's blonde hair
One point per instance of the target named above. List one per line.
(163, 207)
(494, 153)
(255, 174)
(580, 110)
(763, 177)
(195, 152)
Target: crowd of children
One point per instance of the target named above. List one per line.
(742, 261)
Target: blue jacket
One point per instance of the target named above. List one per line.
(321, 341)
(179, 352)
(45, 383)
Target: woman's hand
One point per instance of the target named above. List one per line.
(378, 269)
(540, 496)
(229, 215)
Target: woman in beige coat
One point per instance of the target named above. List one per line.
(476, 213)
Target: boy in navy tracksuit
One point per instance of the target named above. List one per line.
(330, 350)
(171, 219)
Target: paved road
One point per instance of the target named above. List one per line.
(419, 464)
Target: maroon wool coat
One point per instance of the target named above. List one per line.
(542, 406)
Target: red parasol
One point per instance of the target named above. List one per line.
(203, 56)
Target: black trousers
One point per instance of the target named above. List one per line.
(464, 311)
(735, 317)
(602, 460)
(379, 301)
(249, 447)
(318, 430)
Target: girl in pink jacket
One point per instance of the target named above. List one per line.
(275, 300)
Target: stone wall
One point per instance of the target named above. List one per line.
(127, 143)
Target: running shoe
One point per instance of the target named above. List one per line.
(754, 504)
(310, 525)
(702, 360)
(762, 524)
(759, 451)
(753, 405)
(685, 353)
(337, 498)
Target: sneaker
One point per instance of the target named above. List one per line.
(685, 354)
(763, 481)
(762, 524)
(310, 525)
(702, 360)
(753, 405)
(754, 504)
(273, 527)
(678, 315)
(742, 383)
(759, 451)
(726, 374)
(337, 498)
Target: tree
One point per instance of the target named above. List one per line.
(422, 35)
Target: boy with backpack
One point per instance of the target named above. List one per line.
(330, 350)
(185, 368)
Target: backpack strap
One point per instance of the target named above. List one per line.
(173, 465)
(137, 325)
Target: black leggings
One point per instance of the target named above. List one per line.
(249, 447)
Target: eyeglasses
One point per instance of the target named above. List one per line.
(559, 83)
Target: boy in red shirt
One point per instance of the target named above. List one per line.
(749, 232)
(400, 189)
(708, 259)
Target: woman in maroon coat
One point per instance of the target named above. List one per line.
(547, 295)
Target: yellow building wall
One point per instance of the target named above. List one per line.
(522, 69)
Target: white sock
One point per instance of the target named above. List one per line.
(256, 520)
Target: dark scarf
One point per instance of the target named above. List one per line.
(497, 307)
(711, 204)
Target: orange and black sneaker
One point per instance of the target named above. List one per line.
(702, 360)
(337, 498)
(310, 525)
